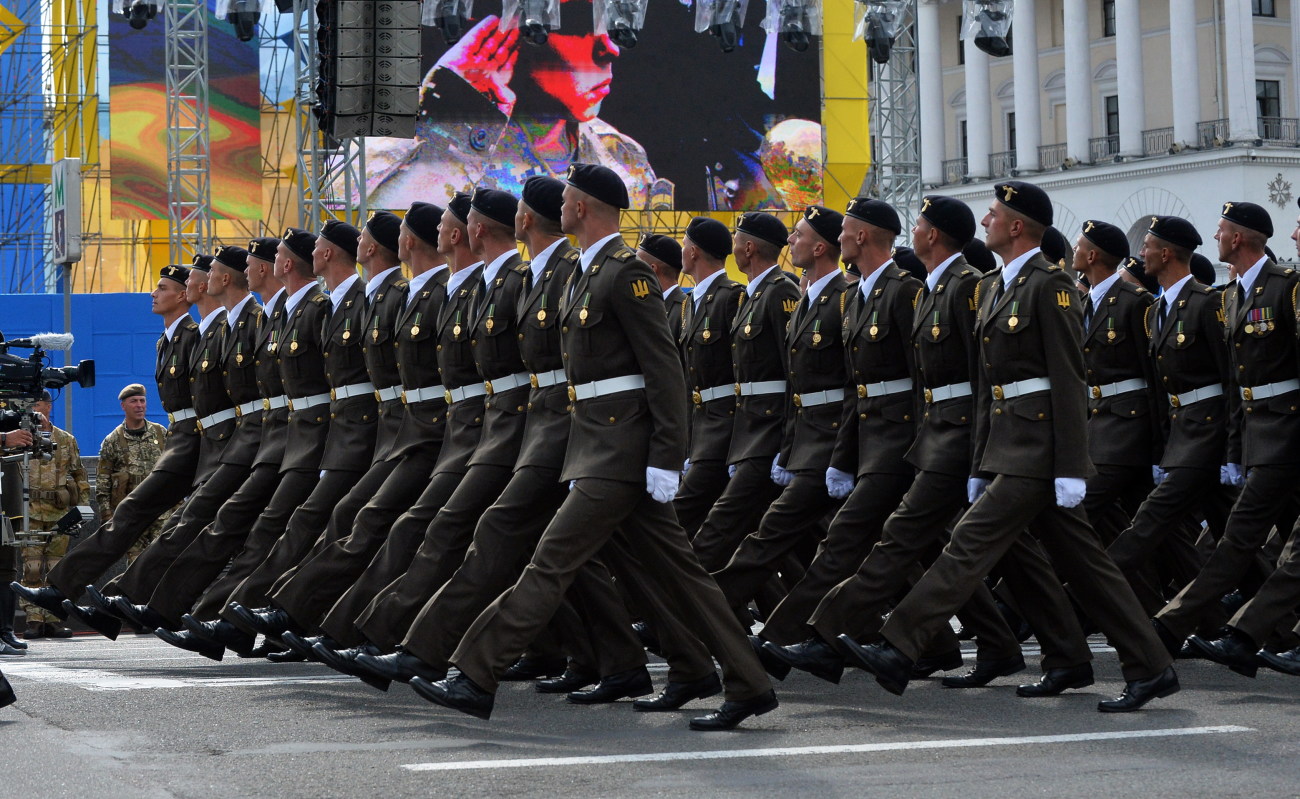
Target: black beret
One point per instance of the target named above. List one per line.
(1106, 237)
(499, 206)
(1055, 247)
(544, 195)
(342, 235)
(422, 220)
(978, 256)
(600, 182)
(459, 206)
(385, 227)
(299, 242)
(710, 235)
(1250, 216)
(1025, 198)
(175, 272)
(764, 226)
(905, 258)
(949, 216)
(665, 248)
(201, 262)
(825, 222)
(263, 247)
(875, 212)
(1175, 230)
(234, 257)
(1203, 270)
(1137, 268)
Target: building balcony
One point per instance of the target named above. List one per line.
(1001, 165)
(1051, 156)
(1279, 130)
(1157, 141)
(1103, 148)
(954, 170)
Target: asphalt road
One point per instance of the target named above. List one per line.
(137, 718)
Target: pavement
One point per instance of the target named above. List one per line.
(138, 718)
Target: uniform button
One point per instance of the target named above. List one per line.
(522, 407)
(1209, 418)
(986, 339)
(566, 355)
(331, 416)
(1241, 368)
(997, 411)
(1042, 416)
(365, 418)
(855, 349)
(439, 348)
(564, 329)
(1095, 411)
(521, 336)
(1248, 410)
(1087, 349)
(1166, 379)
(768, 412)
(962, 418)
(611, 420)
(862, 416)
(1132, 413)
(1160, 357)
(473, 342)
(907, 417)
(1173, 416)
(834, 425)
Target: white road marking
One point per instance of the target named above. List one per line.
(99, 680)
(795, 751)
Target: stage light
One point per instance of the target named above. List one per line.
(878, 22)
(450, 17)
(621, 19)
(723, 19)
(796, 21)
(989, 21)
(137, 12)
(243, 15)
(535, 19)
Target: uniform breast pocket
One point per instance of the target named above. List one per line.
(587, 332)
(1113, 337)
(1013, 325)
(1035, 407)
(379, 336)
(1130, 405)
(935, 333)
(1182, 341)
(416, 332)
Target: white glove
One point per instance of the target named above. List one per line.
(661, 483)
(731, 470)
(838, 484)
(975, 487)
(686, 466)
(1158, 475)
(572, 483)
(1070, 491)
(780, 476)
(1230, 474)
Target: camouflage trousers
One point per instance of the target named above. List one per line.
(37, 562)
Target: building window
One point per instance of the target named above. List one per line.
(1011, 131)
(962, 133)
(1268, 95)
(961, 45)
(1263, 8)
(1107, 17)
(1112, 115)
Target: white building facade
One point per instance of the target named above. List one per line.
(1120, 109)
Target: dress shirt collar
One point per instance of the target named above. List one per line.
(932, 279)
(207, 321)
(1099, 291)
(296, 297)
(866, 284)
(1252, 274)
(704, 285)
(456, 278)
(589, 254)
(758, 279)
(815, 289)
(336, 295)
(1012, 269)
(372, 285)
(540, 260)
(1171, 294)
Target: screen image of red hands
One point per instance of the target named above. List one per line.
(485, 58)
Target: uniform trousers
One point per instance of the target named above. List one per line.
(1277, 599)
(794, 518)
(391, 561)
(1114, 495)
(387, 619)
(594, 511)
(156, 494)
(1266, 495)
(987, 532)
(736, 513)
(304, 527)
(701, 486)
(504, 540)
(140, 579)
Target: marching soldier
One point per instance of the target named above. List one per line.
(664, 257)
(172, 475)
(1031, 411)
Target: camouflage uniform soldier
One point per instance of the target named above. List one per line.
(126, 457)
(56, 485)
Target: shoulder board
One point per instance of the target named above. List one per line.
(571, 256)
(401, 283)
(1131, 288)
(967, 272)
(190, 324)
(1202, 288)
(523, 267)
(320, 298)
(624, 254)
(1054, 267)
(1288, 271)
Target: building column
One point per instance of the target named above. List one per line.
(1029, 113)
(1239, 71)
(930, 78)
(1128, 66)
(1078, 81)
(979, 113)
(1295, 60)
(1186, 88)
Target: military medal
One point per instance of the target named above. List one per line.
(172, 371)
(817, 336)
(1180, 338)
(541, 315)
(1014, 320)
(415, 328)
(491, 313)
(934, 331)
(347, 331)
(1250, 328)
(707, 333)
(455, 330)
(748, 328)
(873, 331)
(1110, 328)
(582, 314)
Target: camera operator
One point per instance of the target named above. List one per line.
(12, 440)
(54, 486)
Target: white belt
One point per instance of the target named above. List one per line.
(601, 388)
(1031, 386)
(709, 394)
(498, 384)
(275, 403)
(464, 392)
(413, 395)
(1196, 395)
(216, 418)
(303, 403)
(815, 398)
(354, 390)
(952, 391)
(884, 388)
(249, 407)
(1113, 389)
(760, 387)
(546, 379)
(180, 416)
(388, 394)
(1269, 390)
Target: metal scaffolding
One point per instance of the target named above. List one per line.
(189, 197)
(895, 115)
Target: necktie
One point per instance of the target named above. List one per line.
(1087, 313)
